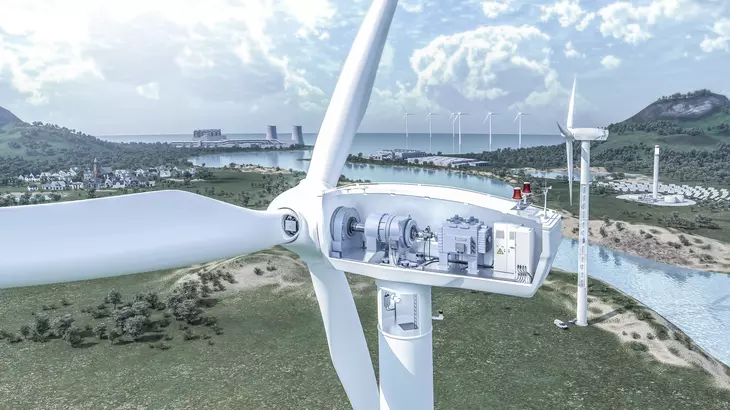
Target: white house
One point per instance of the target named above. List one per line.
(32, 188)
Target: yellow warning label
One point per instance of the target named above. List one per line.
(500, 252)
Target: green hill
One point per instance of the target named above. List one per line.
(695, 120)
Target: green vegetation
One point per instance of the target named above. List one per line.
(274, 334)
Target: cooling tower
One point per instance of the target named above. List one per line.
(271, 133)
(296, 135)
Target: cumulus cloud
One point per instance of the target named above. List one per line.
(471, 61)
(568, 13)
(624, 21)
(721, 30)
(494, 9)
(571, 52)
(610, 62)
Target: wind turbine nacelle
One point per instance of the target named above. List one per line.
(413, 233)
(589, 134)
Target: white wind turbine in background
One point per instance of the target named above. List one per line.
(458, 117)
(405, 117)
(489, 118)
(321, 223)
(430, 136)
(585, 136)
(519, 138)
(453, 131)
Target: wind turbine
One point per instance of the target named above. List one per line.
(458, 117)
(453, 131)
(519, 115)
(585, 136)
(320, 223)
(405, 117)
(489, 117)
(428, 117)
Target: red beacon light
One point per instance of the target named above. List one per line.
(526, 188)
(517, 194)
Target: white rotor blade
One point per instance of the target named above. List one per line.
(345, 337)
(516, 117)
(352, 95)
(569, 156)
(571, 107)
(125, 234)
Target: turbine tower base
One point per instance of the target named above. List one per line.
(405, 346)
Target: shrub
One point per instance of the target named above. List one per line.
(673, 350)
(217, 329)
(638, 346)
(25, 331)
(643, 315)
(258, 271)
(575, 230)
(620, 226)
(683, 240)
(603, 232)
(189, 335)
(13, 338)
(73, 336)
(650, 336)
(65, 302)
(635, 335)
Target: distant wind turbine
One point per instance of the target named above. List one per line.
(428, 117)
(405, 117)
(458, 116)
(519, 115)
(489, 117)
(453, 131)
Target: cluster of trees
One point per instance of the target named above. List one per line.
(28, 199)
(680, 96)
(674, 220)
(132, 319)
(661, 127)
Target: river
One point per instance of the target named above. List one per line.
(697, 302)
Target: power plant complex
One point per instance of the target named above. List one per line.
(214, 138)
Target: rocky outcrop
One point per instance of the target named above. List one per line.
(682, 109)
(7, 117)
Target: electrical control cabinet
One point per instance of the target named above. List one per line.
(513, 252)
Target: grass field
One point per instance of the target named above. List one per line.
(491, 352)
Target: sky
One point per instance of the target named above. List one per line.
(112, 67)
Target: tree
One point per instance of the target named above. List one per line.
(141, 308)
(42, 324)
(100, 330)
(114, 298)
(73, 336)
(114, 334)
(25, 331)
(135, 325)
(61, 325)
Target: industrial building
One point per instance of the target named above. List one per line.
(397, 154)
(213, 138)
(446, 162)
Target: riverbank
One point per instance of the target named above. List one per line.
(655, 243)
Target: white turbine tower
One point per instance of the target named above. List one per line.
(519, 138)
(322, 224)
(489, 118)
(430, 136)
(585, 136)
(405, 117)
(458, 117)
(453, 131)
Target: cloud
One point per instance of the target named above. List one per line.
(179, 37)
(472, 61)
(721, 29)
(412, 6)
(150, 91)
(624, 21)
(494, 9)
(568, 13)
(610, 62)
(571, 52)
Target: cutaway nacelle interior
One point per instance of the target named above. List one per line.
(441, 236)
